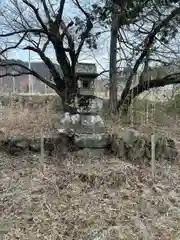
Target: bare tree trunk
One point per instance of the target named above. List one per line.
(113, 62)
(130, 95)
(70, 94)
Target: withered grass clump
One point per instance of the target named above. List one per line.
(15, 122)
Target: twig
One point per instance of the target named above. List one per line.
(42, 151)
(153, 160)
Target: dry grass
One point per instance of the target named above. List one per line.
(157, 122)
(15, 122)
(69, 200)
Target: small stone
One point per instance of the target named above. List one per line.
(121, 148)
(165, 147)
(170, 153)
(173, 196)
(2, 135)
(91, 120)
(129, 136)
(22, 144)
(35, 147)
(137, 147)
(157, 189)
(15, 151)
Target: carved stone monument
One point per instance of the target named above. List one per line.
(87, 126)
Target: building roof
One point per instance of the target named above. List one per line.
(7, 82)
(42, 69)
(37, 66)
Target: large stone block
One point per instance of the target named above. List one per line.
(89, 120)
(93, 140)
(129, 135)
(90, 154)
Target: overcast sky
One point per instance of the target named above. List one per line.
(101, 56)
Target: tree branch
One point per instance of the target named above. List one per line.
(159, 82)
(102, 72)
(37, 15)
(85, 34)
(57, 78)
(148, 43)
(57, 41)
(15, 46)
(45, 46)
(46, 10)
(12, 74)
(29, 71)
(37, 31)
(60, 12)
(71, 49)
(124, 3)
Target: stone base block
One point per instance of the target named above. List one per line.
(100, 140)
(89, 153)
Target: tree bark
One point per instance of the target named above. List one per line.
(113, 62)
(70, 94)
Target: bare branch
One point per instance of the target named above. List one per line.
(36, 31)
(29, 71)
(60, 11)
(12, 74)
(159, 82)
(123, 3)
(85, 34)
(37, 15)
(71, 49)
(57, 78)
(51, 6)
(102, 72)
(45, 46)
(46, 10)
(13, 47)
(149, 40)
(21, 14)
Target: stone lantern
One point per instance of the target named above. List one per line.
(86, 93)
(88, 127)
(86, 74)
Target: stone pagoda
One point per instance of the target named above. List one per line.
(87, 125)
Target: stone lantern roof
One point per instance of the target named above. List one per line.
(92, 75)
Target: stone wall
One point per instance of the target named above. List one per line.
(136, 147)
(130, 146)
